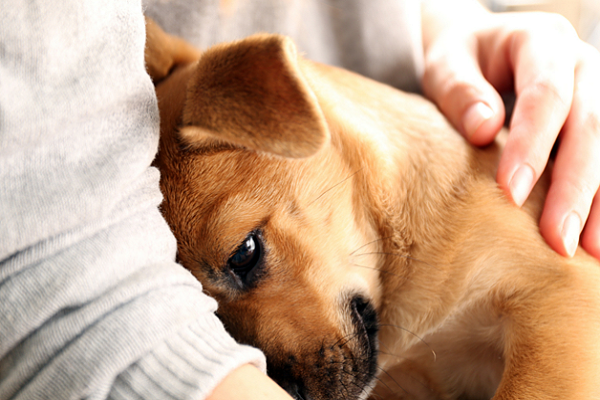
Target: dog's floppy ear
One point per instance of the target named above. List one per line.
(163, 52)
(252, 94)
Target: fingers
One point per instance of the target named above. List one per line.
(576, 175)
(557, 84)
(590, 240)
(454, 81)
(544, 87)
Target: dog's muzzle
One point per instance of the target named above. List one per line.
(340, 368)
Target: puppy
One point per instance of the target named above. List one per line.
(350, 233)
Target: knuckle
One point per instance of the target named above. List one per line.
(581, 190)
(592, 124)
(545, 87)
(589, 118)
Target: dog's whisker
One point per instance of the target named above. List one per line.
(399, 255)
(381, 344)
(344, 340)
(415, 335)
(345, 389)
(349, 338)
(334, 186)
(360, 388)
(375, 396)
(393, 380)
(393, 355)
(356, 375)
(389, 352)
(376, 269)
(383, 384)
(423, 384)
(381, 381)
(336, 343)
(371, 242)
(352, 381)
(376, 377)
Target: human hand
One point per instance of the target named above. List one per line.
(471, 55)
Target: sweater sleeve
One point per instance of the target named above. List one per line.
(92, 304)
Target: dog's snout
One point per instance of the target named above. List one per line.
(342, 366)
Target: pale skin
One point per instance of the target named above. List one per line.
(470, 56)
(248, 383)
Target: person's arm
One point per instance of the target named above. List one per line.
(248, 383)
(472, 54)
(92, 303)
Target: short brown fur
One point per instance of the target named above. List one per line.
(360, 190)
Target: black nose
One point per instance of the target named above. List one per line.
(364, 317)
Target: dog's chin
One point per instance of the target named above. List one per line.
(340, 368)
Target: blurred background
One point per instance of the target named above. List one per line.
(583, 14)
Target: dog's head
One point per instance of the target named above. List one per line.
(268, 202)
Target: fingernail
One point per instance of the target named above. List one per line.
(570, 233)
(475, 116)
(520, 184)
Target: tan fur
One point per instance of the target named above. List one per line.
(361, 190)
(163, 51)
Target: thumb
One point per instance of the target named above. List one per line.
(454, 81)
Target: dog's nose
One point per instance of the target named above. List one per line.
(364, 317)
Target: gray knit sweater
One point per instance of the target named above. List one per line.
(92, 304)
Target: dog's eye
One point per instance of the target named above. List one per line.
(246, 258)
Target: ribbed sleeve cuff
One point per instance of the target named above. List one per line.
(188, 365)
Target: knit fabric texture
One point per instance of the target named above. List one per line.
(92, 303)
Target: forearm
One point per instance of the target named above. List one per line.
(248, 383)
(91, 299)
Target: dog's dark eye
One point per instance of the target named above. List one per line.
(246, 258)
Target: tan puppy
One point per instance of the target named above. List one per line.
(350, 233)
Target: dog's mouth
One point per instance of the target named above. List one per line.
(343, 368)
